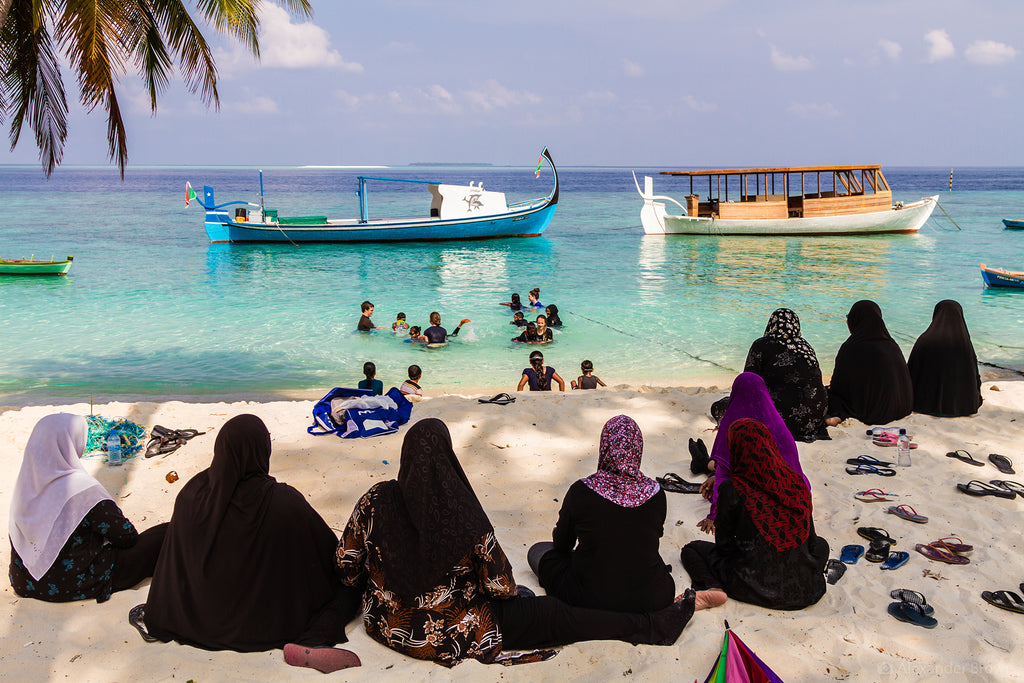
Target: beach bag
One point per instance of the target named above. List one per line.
(351, 413)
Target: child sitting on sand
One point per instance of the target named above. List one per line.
(411, 387)
(370, 370)
(588, 380)
(400, 325)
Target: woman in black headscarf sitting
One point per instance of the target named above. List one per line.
(247, 564)
(438, 585)
(943, 366)
(870, 381)
(790, 370)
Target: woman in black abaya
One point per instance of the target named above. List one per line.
(943, 366)
(247, 564)
(870, 381)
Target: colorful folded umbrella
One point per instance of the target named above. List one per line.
(738, 664)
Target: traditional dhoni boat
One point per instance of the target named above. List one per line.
(997, 277)
(811, 200)
(1013, 223)
(456, 212)
(31, 266)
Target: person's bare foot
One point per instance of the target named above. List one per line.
(832, 421)
(709, 598)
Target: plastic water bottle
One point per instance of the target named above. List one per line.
(113, 448)
(903, 449)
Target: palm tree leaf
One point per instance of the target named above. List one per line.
(194, 54)
(154, 61)
(31, 82)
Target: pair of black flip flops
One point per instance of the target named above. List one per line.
(1001, 462)
(912, 608)
(163, 441)
(676, 484)
(500, 399)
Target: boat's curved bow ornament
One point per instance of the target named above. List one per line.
(652, 213)
(456, 212)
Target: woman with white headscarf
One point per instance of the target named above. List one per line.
(69, 540)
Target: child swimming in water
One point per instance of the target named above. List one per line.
(518, 320)
(552, 313)
(400, 325)
(534, 297)
(529, 335)
(414, 336)
(588, 380)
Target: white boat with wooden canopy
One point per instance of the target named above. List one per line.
(811, 200)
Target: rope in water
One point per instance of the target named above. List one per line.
(654, 341)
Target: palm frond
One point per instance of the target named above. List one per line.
(154, 61)
(194, 54)
(31, 82)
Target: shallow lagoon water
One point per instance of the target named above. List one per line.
(151, 310)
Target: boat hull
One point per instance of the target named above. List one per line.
(907, 219)
(532, 222)
(996, 277)
(1013, 224)
(30, 267)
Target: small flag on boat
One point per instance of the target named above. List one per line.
(190, 194)
(540, 160)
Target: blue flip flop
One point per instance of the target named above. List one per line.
(868, 460)
(851, 553)
(871, 469)
(896, 560)
(912, 614)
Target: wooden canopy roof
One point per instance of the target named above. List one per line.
(780, 169)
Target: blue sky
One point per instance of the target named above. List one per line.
(715, 83)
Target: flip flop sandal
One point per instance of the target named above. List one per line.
(964, 456)
(500, 399)
(868, 460)
(163, 447)
(896, 560)
(676, 484)
(980, 488)
(874, 496)
(871, 469)
(874, 533)
(954, 545)
(834, 570)
(912, 614)
(908, 513)
(137, 618)
(907, 595)
(851, 553)
(940, 554)
(1007, 600)
(1017, 488)
(878, 551)
(1002, 463)
(889, 441)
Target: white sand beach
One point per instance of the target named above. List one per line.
(521, 458)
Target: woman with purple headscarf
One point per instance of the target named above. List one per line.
(604, 552)
(749, 399)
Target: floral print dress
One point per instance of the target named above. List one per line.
(82, 570)
(446, 624)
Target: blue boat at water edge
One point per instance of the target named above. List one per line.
(997, 277)
(1013, 224)
(456, 212)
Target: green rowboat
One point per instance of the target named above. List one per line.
(33, 267)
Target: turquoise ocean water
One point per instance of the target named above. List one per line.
(152, 311)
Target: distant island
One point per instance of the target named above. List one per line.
(430, 163)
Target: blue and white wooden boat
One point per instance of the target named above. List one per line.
(1013, 224)
(997, 277)
(456, 212)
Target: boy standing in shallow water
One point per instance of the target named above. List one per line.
(365, 324)
(400, 325)
(588, 380)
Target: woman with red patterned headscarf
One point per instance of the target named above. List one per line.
(765, 550)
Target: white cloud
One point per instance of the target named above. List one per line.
(810, 110)
(784, 62)
(632, 69)
(284, 45)
(989, 53)
(493, 95)
(939, 45)
(257, 104)
(698, 105)
(890, 49)
(600, 96)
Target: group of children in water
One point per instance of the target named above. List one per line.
(538, 376)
